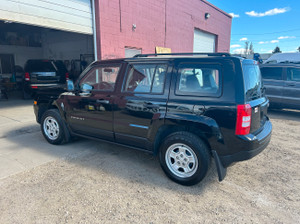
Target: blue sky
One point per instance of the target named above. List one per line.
(265, 23)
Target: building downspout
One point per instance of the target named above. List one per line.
(94, 31)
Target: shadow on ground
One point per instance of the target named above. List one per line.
(122, 162)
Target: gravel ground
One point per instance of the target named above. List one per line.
(109, 184)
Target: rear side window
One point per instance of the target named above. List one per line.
(271, 73)
(199, 80)
(40, 66)
(293, 74)
(252, 81)
(145, 78)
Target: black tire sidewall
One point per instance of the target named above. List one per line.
(199, 148)
(55, 114)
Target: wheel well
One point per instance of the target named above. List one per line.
(166, 130)
(43, 107)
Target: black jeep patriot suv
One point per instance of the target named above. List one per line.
(185, 108)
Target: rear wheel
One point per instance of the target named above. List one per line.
(184, 158)
(53, 128)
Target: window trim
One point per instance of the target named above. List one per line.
(215, 66)
(145, 63)
(102, 66)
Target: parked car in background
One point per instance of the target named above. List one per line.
(282, 83)
(184, 108)
(39, 74)
(283, 58)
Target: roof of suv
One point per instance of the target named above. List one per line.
(290, 64)
(171, 56)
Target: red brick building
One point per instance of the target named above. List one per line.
(142, 25)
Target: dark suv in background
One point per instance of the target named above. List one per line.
(39, 74)
(282, 83)
(186, 108)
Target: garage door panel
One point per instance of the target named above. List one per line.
(204, 42)
(44, 22)
(42, 13)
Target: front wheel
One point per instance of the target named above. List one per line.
(53, 128)
(184, 158)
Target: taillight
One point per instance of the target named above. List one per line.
(243, 119)
(67, 76)
(27, 76)
(34, 87)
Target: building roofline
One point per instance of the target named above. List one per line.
(216, 8)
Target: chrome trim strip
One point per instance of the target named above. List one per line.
(138, 126)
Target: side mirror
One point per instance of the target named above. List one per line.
(86, 88)
(70, 85)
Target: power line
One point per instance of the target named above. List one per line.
(264, 33)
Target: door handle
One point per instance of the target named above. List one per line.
(103, 101)
(198, 109)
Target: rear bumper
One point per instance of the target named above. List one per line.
(252, 145)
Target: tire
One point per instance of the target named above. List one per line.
(53, 128)
(184, 158)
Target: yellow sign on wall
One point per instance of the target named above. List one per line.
(162, 50)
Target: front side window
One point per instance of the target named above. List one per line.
(145, 78)
(102, 78)
(293, 74)
(198, 80)
(271, 73)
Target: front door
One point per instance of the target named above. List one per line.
(90, 111)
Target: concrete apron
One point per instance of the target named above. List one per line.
(22, 145)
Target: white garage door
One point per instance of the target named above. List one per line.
(204, 42)
(68, 15)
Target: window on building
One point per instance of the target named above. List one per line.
(146, 78)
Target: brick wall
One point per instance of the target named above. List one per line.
(164, 23)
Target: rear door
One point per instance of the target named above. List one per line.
(274, 84)
(291, 91)
(141, 103)
(254, 94)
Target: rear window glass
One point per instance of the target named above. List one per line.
(252, 81)
(40, 66)
(198, 80)
(271, 73)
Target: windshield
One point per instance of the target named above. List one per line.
(252, 80)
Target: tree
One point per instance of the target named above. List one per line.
(276, 50)
(251, 49)
(299, 49)
(248, 48)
